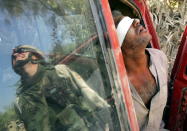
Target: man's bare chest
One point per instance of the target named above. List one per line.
(145, 85)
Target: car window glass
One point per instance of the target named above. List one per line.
(65, 32)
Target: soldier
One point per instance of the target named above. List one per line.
(53, 97)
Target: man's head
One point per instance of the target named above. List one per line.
(24, 54)
(131, 34)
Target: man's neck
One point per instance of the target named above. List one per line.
(30, 69)
(134, 59)
(137, 66)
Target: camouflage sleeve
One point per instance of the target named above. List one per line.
(18, 123)
(34, 113)
(87, 100)
(90, 99)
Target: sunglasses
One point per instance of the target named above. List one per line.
(20, 50)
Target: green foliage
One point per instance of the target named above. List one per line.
(170, 19)
(6, 117)
(10, 6)
(79, 25)
(74, 15)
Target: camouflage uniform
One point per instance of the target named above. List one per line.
(56, 98)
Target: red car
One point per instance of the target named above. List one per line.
(81, 34)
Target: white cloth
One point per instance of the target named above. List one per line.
(123, 28)
(150, 119)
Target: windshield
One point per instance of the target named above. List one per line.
(53, 74)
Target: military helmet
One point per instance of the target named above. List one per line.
(29, 48)
(18, 64)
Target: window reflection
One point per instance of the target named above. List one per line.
(54, 97)
(65, 32)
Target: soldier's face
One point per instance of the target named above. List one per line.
(19, 56)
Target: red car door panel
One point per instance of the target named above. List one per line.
(178, 109)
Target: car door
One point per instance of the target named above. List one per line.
(69, 32)
(178, 87)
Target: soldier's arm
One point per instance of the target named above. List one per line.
(90, 99)
(87, 100)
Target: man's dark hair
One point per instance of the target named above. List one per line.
(117, 16)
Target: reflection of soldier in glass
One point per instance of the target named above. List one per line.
(53, 97)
